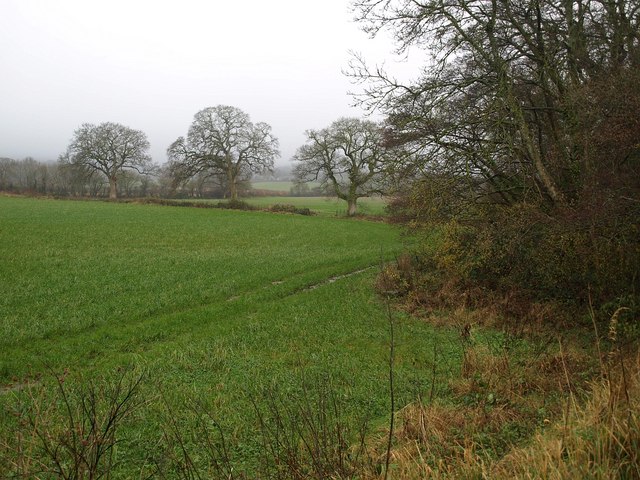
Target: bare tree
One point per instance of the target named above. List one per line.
(222, 141)
(347, 157)
(8, 168)
(109, 148)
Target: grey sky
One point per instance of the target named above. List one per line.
(151, 65)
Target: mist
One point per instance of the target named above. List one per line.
(152, 65)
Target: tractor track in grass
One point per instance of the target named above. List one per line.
(306, 288)
(335, 278)
(129, 333)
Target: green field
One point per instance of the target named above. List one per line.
(328, 206)
(212, 305)
(280, 186)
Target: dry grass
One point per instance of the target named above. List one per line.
(567, 425)
(599, 439)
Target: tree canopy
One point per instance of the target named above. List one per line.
(223, 142)
(513, 93)
(108, 148)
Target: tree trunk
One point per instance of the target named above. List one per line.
(351, 206)
(530, 147)
(113, 188)
(233, 188)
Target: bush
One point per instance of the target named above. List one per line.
(236, 205)
(574, 256)
(69, 430)
(287, 208)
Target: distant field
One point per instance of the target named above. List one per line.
(275, 186)
(213, 305)
(279, 186)
(324, 205)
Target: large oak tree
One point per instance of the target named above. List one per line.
(110, 149)
(222, 141)
(347, 158)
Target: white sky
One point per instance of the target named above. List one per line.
(151, 65)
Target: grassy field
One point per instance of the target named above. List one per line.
(212, 305)
(281, 186)
(323, 205)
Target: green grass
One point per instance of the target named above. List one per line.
(213, 304)
(326, 206)
(143, 261)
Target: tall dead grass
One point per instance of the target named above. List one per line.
(599, 439)
(590, 429)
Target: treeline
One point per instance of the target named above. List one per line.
(32, 177)
(29, 176)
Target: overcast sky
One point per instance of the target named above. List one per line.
(151, 65)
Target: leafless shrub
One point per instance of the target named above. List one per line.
(70, 429)
(308, 435)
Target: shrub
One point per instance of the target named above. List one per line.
(236, 205)
(573, 256)
(287, 208)
(69, 431)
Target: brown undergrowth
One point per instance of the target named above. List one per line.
(545, 401)
(596, 439)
